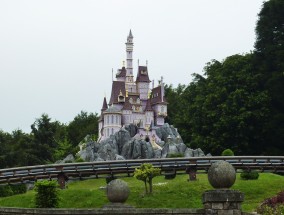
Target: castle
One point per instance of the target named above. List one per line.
(133, 102)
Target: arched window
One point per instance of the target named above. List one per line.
(111, 119)
(112, 131)
(116, 120)
(162, 109)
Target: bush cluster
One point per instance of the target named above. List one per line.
(249, 175)
(110, 178)
(175, 155)
(227, 152)
(9, 190)
(46, 194)
(273, 205)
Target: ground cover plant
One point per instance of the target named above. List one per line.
(176, 193)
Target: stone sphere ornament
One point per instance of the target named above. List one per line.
(117, 191)
(221, 175)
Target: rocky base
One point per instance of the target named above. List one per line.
(127, 144)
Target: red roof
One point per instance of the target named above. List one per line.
(127, 105)
(156, 96)
(117, 86)
(121, 73)
(142, 75)
(148, 106)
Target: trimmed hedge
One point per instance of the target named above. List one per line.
(10, 190)
(227, 152)
(252, 175)
(46, 194)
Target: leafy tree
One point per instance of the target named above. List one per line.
(146, 172)
(268, 62)
(46, 136)
(83, 124)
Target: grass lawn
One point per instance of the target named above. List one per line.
(176, 193)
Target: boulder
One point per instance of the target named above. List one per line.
(132, 129)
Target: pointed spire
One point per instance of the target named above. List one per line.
(104, 105)
(130, 34)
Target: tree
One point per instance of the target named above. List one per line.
(268, 62)
(83, 124)
(46, 136)
(146, 172)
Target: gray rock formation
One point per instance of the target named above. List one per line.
(127, 144)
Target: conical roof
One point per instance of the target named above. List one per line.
(130, 34)
(104, 107)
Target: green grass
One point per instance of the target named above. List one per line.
(176, 193)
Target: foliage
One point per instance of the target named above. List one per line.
(273, 205)
(5, 190)
(79, 160)
(268, 62)
(170, 175)
(175, 155)
(46, 194)
(227, 152)
(9, 190)
(18, 189)
(146, 172)
(249, 175)
(222, 109)
(83, 124)
(110, 178)
(177, 193)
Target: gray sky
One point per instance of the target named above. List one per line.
(56, 56)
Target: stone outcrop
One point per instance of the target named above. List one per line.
(127, 144)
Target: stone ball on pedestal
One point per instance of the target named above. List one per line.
(221, 175)
(117, 191)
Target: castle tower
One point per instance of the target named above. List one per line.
(129, 83)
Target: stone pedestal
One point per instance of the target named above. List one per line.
(222, 202)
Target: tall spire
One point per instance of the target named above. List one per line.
(130, 34)
(129, 67)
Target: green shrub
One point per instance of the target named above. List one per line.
(227, 152)
(5, 190)
(110, 178)
(170, 175)
(249, 175)
(46, 194)
(175, 155)
(79, 160)
(18, 189)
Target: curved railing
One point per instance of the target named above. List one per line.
(125, 168)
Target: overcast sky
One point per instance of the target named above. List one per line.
(56, 56)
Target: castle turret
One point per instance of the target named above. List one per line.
(142, 83)
(129, 83)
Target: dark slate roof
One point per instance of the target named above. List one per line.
(148, 106)
(104, 107)
(127, 105)
(156, 96)
(121, 73)
(117, 86)
(142, 75)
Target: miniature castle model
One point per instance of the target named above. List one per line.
(133, 102)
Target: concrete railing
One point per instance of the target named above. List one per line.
(125, 168)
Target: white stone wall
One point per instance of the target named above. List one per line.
(112, 124)
(143, 89)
